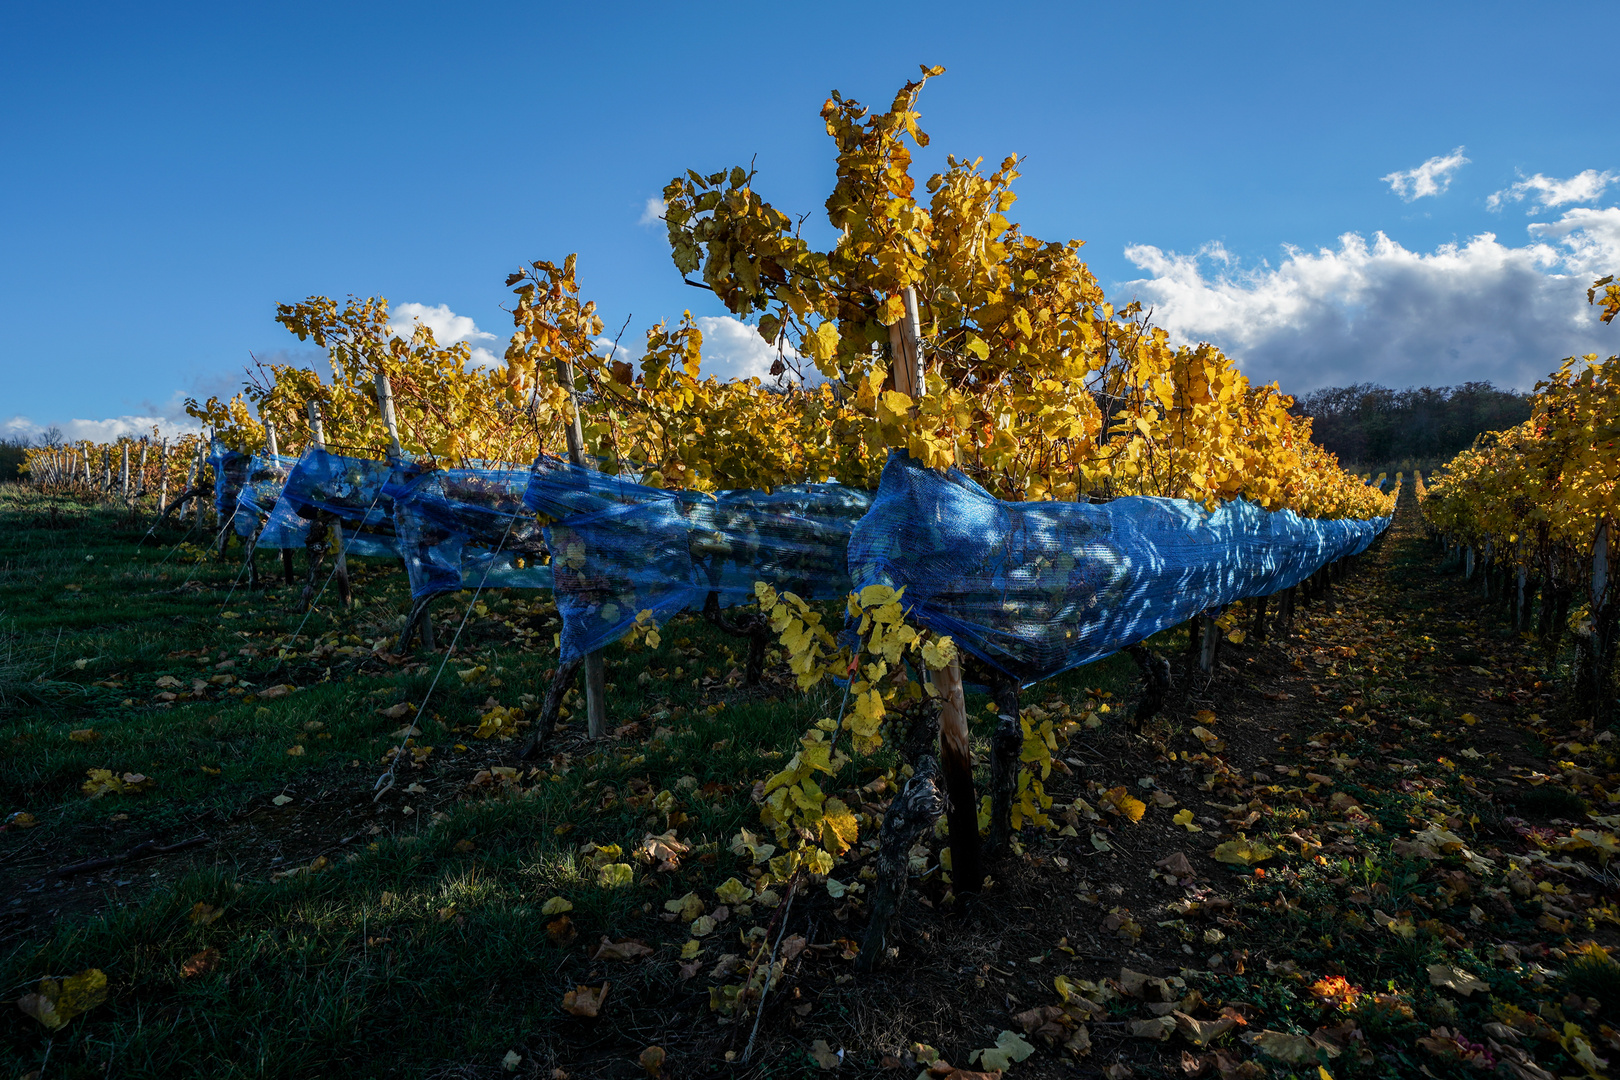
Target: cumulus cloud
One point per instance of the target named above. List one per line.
(1432, 177)
(652, 211)
(1376, 311)
(448, 329)
(732, 349)
(1546, 192)
(115, 427)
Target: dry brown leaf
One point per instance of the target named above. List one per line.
(200, 964)
(585, 1000)
(825, 1056)
(628, 949)
(1201, 1032)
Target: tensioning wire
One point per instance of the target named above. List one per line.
(316, 598)
(385, 782)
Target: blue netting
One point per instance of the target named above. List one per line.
(468, 527)
(230, 473)
(620, 548)
(350, 490)
(263, 480)
(1036, 588)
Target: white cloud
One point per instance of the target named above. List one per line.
(652, 211)
(1547, 191)
(1376, 311)
(1432, 177)
(448, 329)
(100, 430)
(732, 349)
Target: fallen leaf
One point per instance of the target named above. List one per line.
(688, 907)
(1159, 1027)
(1291, 1049)
(652, 1060)
(200, 964)
(1401, 928)
(733, 892)
(281, 800)
(585, 1000)
(1184, 818)
(58, 1001)
(1176, 864)
(1010, 1047)
(616, 875)
(556, 906)
(1241, 852)
(826, 1056)
(1451, 977)
(620, 950)
(511, 1061)
(1201, 1032)
(84, 735)
(202, 914)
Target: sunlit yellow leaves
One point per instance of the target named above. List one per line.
(616, 875)
(1242, 852)
(1184, 818)
(1400, 927)
(1128, 805)
(839, 829)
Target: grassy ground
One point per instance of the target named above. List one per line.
(315, 930)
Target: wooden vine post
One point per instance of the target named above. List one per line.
(595, 674)
(163, 477)
(955, 752)
(420, 618)
(317, 438)
(273, 448)
(1603, 618)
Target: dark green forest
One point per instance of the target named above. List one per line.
(1376, 429)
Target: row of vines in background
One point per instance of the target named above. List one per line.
(130, 469)
(1037, 387)
(1536, 507)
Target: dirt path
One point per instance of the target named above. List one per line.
(1398, 705)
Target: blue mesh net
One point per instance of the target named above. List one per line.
(468, 527)
(230, 473)
(1033, 589)
(1037, 588)
(263, 480)
(346, 488)
(619, 548)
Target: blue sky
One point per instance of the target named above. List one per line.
(170, 172)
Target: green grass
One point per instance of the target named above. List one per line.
(418, 948)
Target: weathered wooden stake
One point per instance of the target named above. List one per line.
(1211, 642)
(595, 675)
(1006, 747)
(317, 437)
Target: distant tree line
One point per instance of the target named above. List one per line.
(1373, 427)
(14, 451)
